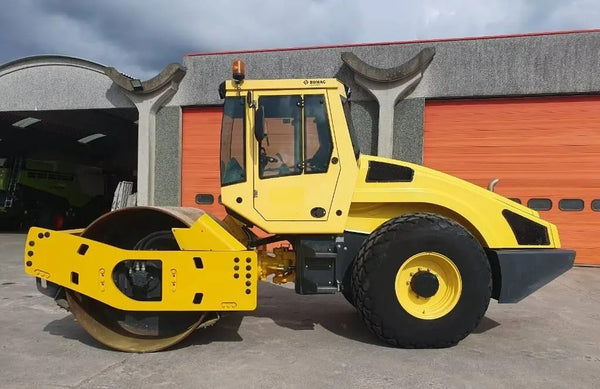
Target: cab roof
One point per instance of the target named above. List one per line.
(284, 84)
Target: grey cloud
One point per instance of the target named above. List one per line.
(140, 37)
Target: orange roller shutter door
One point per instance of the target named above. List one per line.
(539, 148)
(201, 131)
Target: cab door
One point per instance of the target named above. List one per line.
(296, 164)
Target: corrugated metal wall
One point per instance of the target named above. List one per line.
(200, 176)
(545, 151)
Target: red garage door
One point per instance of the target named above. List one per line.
(545, 151)
(200, 185)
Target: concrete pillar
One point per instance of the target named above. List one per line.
(148, 106)
(148, 96)
(387, 96)
(388, 86)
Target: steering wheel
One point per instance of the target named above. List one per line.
(282, 169)
(265, 159)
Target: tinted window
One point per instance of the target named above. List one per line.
(281, 149)
(516, 200)
(540, 204)
(571, 205)
(318, 144)
(596, 205)
(233, 156)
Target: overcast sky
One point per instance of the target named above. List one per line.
(140, 37)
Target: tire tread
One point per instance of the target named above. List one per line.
(367, 261)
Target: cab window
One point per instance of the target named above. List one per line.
(297, 136)
(281, 149)
(233, 158)
(318, 144)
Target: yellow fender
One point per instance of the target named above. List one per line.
(478, 210)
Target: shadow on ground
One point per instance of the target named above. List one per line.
(296, 312)
(69, 328)
(486, 324)
(282, 305)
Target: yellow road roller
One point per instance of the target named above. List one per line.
(419, 253)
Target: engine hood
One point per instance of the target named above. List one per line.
(393, 187)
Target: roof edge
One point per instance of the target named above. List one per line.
(389, 43)
(47, 59)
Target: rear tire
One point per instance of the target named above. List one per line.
(384, 280)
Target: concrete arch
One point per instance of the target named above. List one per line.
(51, 82)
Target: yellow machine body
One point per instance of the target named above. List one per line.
(477, 209)
(282, 205)
(221, 277)
(279, 206)
(326, 208)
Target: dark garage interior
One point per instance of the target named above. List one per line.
(59, 169)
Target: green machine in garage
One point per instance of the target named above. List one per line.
(51, 193)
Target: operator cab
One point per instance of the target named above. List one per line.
(286, 152)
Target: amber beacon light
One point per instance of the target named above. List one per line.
(238, 70)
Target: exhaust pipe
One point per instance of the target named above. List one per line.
(492, 184)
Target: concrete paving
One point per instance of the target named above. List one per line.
(549, 340)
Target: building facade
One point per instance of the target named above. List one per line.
(523, 111)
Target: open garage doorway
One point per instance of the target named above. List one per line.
(59, 169)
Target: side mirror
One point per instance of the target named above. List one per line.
(259, 124)
(222, 90)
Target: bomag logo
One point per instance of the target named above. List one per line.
(314, 82)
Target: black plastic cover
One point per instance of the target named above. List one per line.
(519, 273)
(387, 172)
(315, 265)
(346, 252)
(527, 232)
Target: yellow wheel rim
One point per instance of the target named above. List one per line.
(424, 269)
